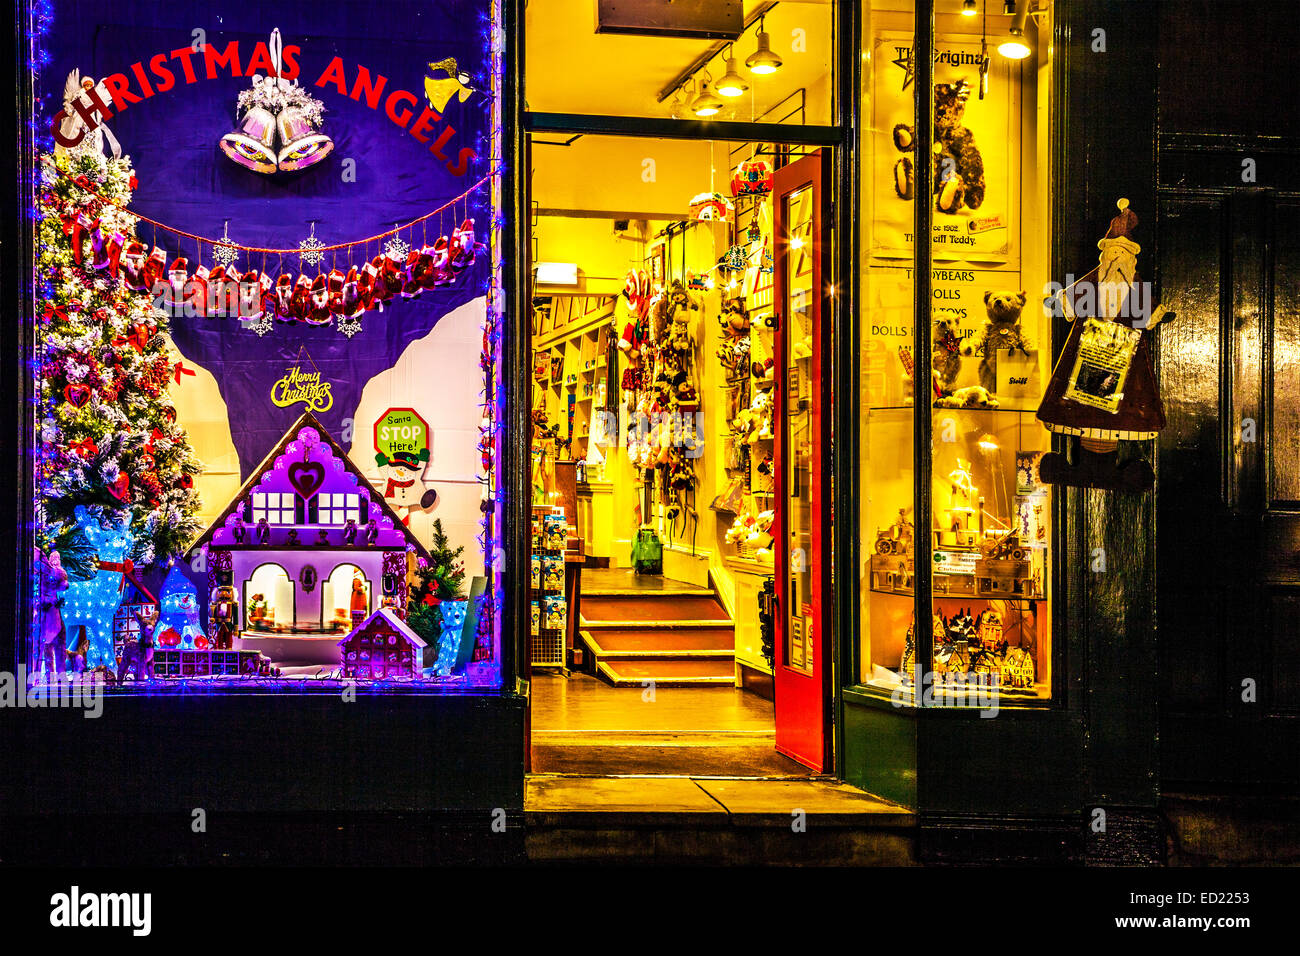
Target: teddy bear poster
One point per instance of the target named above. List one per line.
(977, 142)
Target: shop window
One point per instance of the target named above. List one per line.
(988, 543)
(221, 414)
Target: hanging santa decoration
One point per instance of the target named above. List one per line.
(1103, 389)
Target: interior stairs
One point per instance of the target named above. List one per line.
(656, 629)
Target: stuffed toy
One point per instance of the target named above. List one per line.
(973, 396)
(958, 165)
(1001, 331)
(743, 424)
(734, 320)
(761, 409)
(945, 351)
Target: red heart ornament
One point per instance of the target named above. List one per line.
(76, 394)
(306, 478)
(120, 488)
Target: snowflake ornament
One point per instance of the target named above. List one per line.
(396, 249)
(309, 250)
(349, 325)
(262, 325)
(224, 251)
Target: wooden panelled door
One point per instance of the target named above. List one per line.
(1228, 494)
(800, 262)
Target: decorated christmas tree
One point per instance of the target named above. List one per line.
(106, 427)
(442, 579)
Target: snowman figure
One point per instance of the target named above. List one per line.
(402, 474)
(178, 625)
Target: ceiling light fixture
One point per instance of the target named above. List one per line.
(763, 61)
(707, 103)
(968, 8)
(732, 83)
(1013, 45)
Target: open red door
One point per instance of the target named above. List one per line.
(801, 252)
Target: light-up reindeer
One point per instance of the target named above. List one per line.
(93, 603)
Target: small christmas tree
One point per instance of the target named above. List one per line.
(442, 579)
(106, 428)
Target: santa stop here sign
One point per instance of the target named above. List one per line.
(401, 431)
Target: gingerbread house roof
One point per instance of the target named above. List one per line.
(393, 621)
(307, 419)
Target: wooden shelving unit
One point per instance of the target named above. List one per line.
(574, 357)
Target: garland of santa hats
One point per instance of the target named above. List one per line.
(399, 271)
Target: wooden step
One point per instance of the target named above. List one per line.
(645, 643)
(668, 673)
(623, 583)
(646, 611)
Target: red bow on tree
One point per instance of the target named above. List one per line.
(86, 447)
(52, 312)
(180, 370)
(138, 338)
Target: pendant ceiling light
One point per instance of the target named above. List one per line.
(732, 83)
(968, 8)
(1013, 45)
(763, 60)
(707, 103)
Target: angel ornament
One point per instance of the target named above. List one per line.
(1103, 389)
(92, 139)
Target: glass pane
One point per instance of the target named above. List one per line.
(988, 348)
(991, 347)
(767, 62)
(886, 477)
(799, 425)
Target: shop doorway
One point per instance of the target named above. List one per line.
(677, 457)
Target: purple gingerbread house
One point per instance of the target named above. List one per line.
(304, 543)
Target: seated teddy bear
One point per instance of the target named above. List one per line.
(1001, 331)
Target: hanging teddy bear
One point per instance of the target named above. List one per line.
(958, 165)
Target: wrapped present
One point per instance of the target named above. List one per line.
(752, 178)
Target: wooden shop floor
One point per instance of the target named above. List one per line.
(582, 725)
